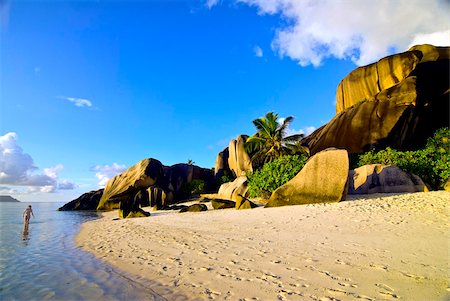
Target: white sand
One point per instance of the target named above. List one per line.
(381, 248)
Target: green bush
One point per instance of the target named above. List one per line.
(272, 175)
(431, 163)
(193, 187)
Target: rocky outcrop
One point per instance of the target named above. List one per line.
(221, 167)
(323, 179)
(399, 102)
(194, 208)
(378, 178)
(177, 177)
(87, 201)
(129, 208)
(239, 160)
(245, 203)
(234, 190)
(222, 204)
(157, 198)
(146, 173)
(447, 185)
(234, 159)
(8, 199)
(166, 184)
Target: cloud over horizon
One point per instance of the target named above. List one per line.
(17, 169)
(106, 172)
(363, 31)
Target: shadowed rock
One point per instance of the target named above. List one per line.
(87, 201)
(194, 208)
(245, 203)
(129, 208)
(222, 204)
(378, 178)
(323, 179)
(158, 198)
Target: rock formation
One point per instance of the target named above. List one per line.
(87, 201)
(177, 176)
(194, 208)
(323, 179)
(234, 159)
(7, 199)
(129, 208)
(378, 178)
(399, 102)
(146, 173)
(234, 190)
(158, 198)
(222, 204)
(165, 185)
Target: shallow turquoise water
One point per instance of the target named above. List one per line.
(47, 265)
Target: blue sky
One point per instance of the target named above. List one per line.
(88, 88)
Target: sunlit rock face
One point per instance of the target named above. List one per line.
(323, 179)
(234, 159)
(398, 101)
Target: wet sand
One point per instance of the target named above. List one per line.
(378, 247)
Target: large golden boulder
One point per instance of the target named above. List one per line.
(399, 102)
(323, 179)
(124, 186)
(234, 159)
(234, 190)
(378, 178)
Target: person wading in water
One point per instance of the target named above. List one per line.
(27, 213)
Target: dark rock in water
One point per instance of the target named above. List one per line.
(195, 208)
(7, 199)
(222, 204)
(323, 179)
(88, 201)
(378, 178)
(398, 102)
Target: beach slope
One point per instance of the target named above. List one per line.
(378, 247)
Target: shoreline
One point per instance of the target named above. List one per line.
(369, 247)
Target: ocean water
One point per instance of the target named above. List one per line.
(45, 264)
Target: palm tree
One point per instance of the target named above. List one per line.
(270, 141)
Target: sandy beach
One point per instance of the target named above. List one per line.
(377, 247)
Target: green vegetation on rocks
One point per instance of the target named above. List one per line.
(274, 174)
(431, 164)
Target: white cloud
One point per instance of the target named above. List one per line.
(66, 185)
(211, 3)
(4, 190)
(258, 51)
(17, 168)
(361, 30)
(79, 102)
(304, 131)
(441, 38)
(106, 172)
